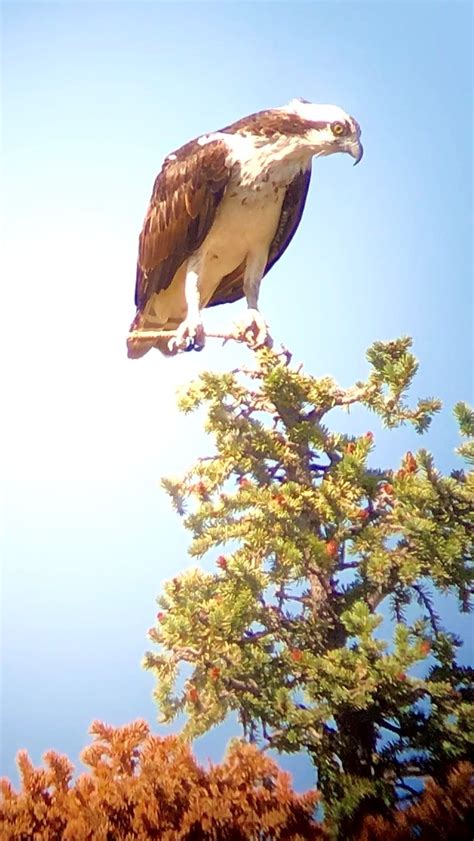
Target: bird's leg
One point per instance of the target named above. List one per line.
(190, 333)
(253, 327)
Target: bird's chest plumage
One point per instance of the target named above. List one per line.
(248, 216)
(245, 222)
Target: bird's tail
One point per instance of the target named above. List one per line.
(137, 346)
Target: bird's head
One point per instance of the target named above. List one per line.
(328, 128)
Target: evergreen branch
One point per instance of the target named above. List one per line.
(424, 599)
(465, 418)
(249, 686)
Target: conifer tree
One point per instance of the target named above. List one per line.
(313, 547)
(140, 787)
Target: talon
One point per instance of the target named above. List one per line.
(189, 336)
(253, 330)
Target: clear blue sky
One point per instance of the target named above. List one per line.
(94, 95)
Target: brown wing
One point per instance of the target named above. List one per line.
(231, 287)
(185, 198)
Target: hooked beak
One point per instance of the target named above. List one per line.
(356, 150)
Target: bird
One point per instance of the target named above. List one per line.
(223, 210)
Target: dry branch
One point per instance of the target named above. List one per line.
(146, 335)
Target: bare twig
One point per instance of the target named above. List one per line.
(232, 333)
(147, 335)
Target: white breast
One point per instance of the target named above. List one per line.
(248, 217)
(245, 224)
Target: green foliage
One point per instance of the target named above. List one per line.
(316, 547)
(465, 418)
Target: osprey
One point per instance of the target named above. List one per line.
(224, 208)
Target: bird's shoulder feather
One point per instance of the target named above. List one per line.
(183, 204)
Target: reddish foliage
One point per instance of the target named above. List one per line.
(192, 695)
(145, 787)
(149, 788)
(222, 562)
(443, 813)
(411, 464)
(296, 655)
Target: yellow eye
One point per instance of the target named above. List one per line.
(338, 129)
